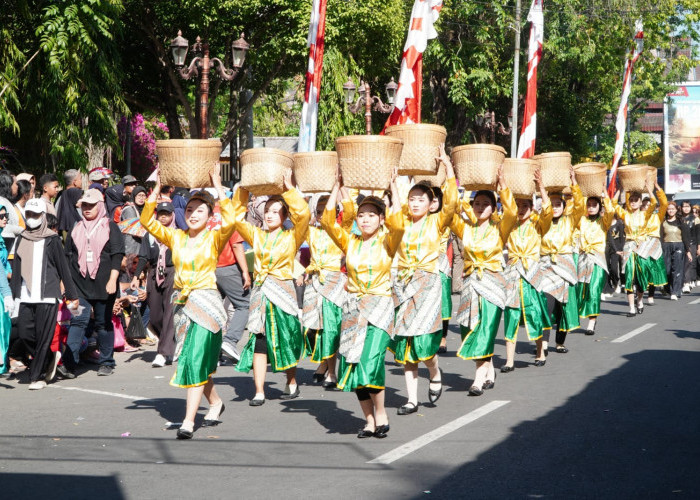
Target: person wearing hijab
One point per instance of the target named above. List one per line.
(95, 248)
(159, 286)
(133, 210)
(68, 213)
(38, 269)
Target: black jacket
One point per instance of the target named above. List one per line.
(148, 254)
(616, 237)
(54, 270)
(110, 259)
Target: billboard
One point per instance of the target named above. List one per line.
(682, 138)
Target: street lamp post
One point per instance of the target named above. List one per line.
(202, 62)
(369, 102)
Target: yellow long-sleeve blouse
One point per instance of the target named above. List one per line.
(653, 226)
(592, 232)
(325, 255)
(274, 251)
(635, 222)
(194, 259)
(420, 247)
(368, 262)
(483, 246)
(525, 238)
(559, 239)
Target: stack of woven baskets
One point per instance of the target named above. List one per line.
(421, 146)
(633, 178)
(556, 170)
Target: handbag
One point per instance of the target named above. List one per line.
(135, 330)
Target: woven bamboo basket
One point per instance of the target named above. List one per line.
(652, 173)
(591, 178)
(262, 170)
(187, 162)
(476, 165)
(366, 161)
(633, 178)
(556, 173)
(421, 143)
(315, 171)
(436, 180)
(519, 176)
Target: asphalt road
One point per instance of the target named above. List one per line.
(610, 419)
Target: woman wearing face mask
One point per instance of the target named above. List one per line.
(38, 269)
(558, 263)
(368, 316)
(159, 286)
(133, 211)
(675, 237)
(592, 264)
(418, 287)
(273, 323)
(198, 311)
(525, 304)
(325, 295)
(483, 295)
(95, 248)
(637, 273)
(651, 249)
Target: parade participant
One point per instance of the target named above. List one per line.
(159, 286)
(95, 248)
(198, 310)
(592, 263)
(445, 269)
(558, 263)
(418, 286)
(675, 238)
(38, 269)
(325, 295)
(273, 322)
(483, 295)
(525, 304)
(368, 315)
(651, 248)
(636, 266)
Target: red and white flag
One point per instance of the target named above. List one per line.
(528, 135)
(621, 122)
(312, 90)
(408, 95)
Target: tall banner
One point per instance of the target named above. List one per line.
(312, 90)
(621, 121)
(408, 95)
(528, 135)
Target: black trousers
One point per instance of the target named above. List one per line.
(674, 255)
(161, 308)
(615, 269)
(690, 267)
(36, 329)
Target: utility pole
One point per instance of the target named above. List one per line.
(516, 73)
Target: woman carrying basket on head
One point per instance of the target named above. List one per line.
(651, 247)
(198, 310)
(273, 323)
(418, 286)
(483, 295)
(368, 316)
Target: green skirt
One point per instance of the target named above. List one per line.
(478, 343)
(589, 293)
(657, 269)
(416, 349)
(446, 296)
(369, 372)
(566, 315)
(285, 342)
(637, 272)
(199, 357)
(325, 342)
(532, 314)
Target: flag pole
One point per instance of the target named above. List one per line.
(516, 72)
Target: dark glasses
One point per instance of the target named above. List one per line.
(3, 216)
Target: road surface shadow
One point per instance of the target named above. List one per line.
(41, 486)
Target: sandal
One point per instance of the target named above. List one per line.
(433, 396)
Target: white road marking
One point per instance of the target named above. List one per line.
(637, 331)
(103, 393)
(696, 301)
(431, 436)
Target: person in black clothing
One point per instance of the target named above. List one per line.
(159, 286)
(613, 251)
(38, 269)
(95, 248)
(675, 239)
(690, 269)
(68, 213)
